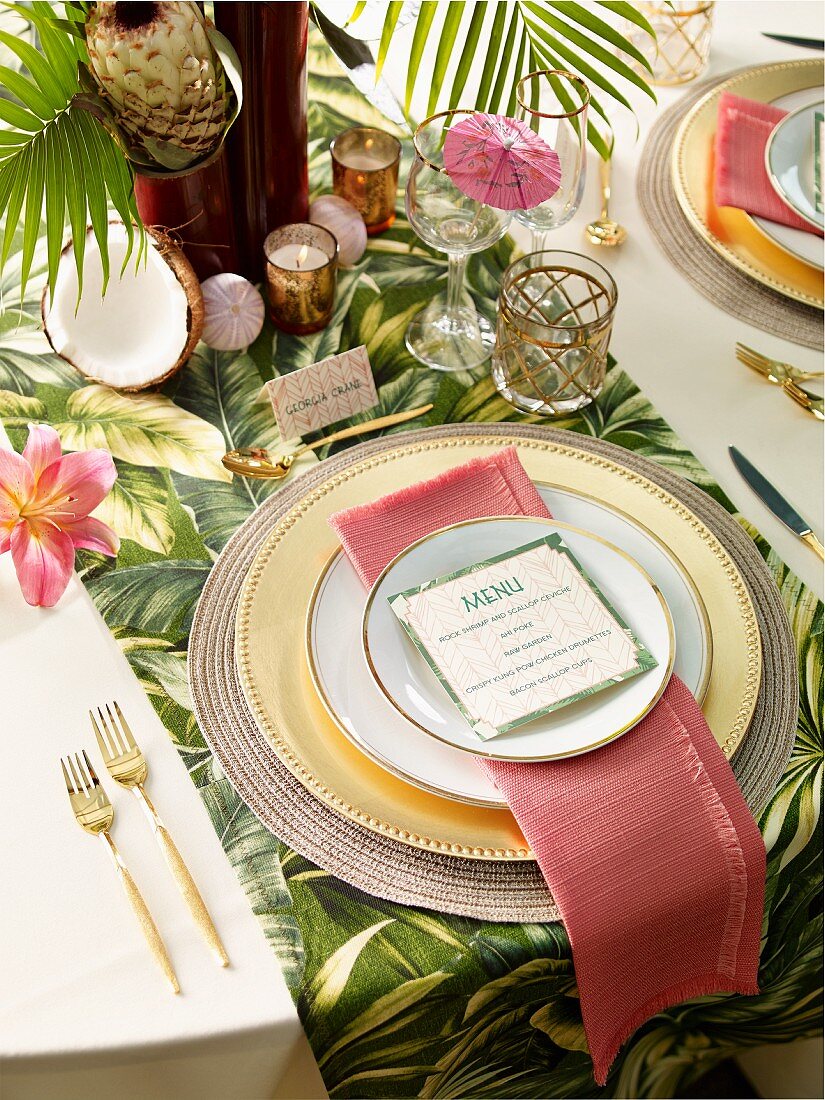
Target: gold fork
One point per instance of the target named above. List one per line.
(95, 814)
(809, 401)
(772, 369)
(127, 766)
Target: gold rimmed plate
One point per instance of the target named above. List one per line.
(270, 636)
(805, 246)
(412, 689)
(789, 162)
(730, 232)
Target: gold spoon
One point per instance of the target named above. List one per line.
(257, 462)
(604, 231)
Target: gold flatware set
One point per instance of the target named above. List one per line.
(94, 812)
(786, 376)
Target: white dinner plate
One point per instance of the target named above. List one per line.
(361, 711)
(789, 161)
(796, 242)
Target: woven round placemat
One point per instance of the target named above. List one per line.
(718, 280)
(380, 865)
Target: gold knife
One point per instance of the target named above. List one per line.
(775, 502)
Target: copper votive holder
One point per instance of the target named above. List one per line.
(301, 274)
(365, 173)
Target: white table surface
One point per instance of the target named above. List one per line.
(82, 1010)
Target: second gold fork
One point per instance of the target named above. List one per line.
(127, 766)
(773, 369)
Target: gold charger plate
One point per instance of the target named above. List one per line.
(731, 232)
(271, 660)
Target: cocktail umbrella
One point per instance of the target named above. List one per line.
(501, 162)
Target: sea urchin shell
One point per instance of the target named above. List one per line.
(234, 312)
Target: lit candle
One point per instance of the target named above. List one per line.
(301, 268)
(372, 158)
(294, 257)
(365, 173)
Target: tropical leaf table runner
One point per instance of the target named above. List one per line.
(397, 1001)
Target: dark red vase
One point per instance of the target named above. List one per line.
(223, 210)
(197, 208)
(267, 146)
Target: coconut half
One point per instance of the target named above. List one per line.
(146, 325)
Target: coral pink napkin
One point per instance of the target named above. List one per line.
(647, 845)
(743, 127)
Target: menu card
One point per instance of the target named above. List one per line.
(520, 635)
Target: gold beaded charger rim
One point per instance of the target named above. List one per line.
(685, 245)
(276, 592)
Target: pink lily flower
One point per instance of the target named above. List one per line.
(45, 501)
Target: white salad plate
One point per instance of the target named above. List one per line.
(789, 161)
(403, 674)
(796, 242)
(361, 710)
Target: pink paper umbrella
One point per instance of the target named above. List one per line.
(501, 162)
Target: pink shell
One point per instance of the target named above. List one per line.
(234, 312)
(344, 222)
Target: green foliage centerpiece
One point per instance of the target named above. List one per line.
(102, 92)
(112, 89)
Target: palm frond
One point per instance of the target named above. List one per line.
(390, 23)
(563, 34)
(446, 45)
(488, 72)
(422, 29)
(471, 42)
(503, 62)
(53, 152)
(356, 11)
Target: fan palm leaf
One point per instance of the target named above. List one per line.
(517, 37)
(55, 157)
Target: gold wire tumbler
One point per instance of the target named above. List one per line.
(682, 46)
(555, 317)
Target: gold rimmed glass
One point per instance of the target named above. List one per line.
(448, 334)
(681, 48)
(555, 317)
(554, 105)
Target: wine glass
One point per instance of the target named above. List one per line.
(553, 103)
(447, 334)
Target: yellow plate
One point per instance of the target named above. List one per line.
(271, 659)
(729, 231)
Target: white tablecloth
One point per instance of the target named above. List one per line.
(83, 1011)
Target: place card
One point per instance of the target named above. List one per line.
(520, 635)
(327, 391)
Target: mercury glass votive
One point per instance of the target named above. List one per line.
(301, 274)
(365, 173)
